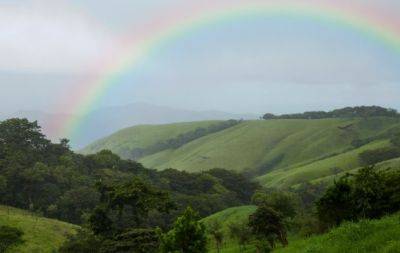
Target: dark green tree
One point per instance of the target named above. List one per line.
(134, 240)
(337, 204)
(188, 235)
(284, 202)
(267, 224)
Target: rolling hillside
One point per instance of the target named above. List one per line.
(364, 236)
(281, 152)
(372, 236)
(40, 234)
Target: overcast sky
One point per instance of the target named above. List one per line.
(48, 48)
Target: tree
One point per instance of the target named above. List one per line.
(100, 223)
(22, 141)
(266, 223)
(370, 193)
(10, 236)
(240, 232)
(281, 201)
(215, 231)
(135, 196)
(268, 116)
(135, 240)
(337, 204)
(84, 241)
(188, 235)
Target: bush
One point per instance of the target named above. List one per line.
(188, 235)
(368, 194)
(10, 236)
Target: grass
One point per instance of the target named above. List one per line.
(284, 152)
(343, 162)
(41, 235)
(389, 164)
(142, 136)
(367, 236)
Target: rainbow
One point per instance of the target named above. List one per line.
(141, 46)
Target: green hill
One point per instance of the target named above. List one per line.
(365, 236)
(125, 141)
(230, 215)
(368, 236)
(41, 235)
(282, 152)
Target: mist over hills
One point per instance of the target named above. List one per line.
(105, 121)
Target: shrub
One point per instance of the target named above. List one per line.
(9, 236)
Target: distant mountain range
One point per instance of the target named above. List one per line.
(106, 121)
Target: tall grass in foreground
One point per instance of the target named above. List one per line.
(372, 236)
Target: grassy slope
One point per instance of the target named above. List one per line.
(225, 217)
(252, 144)
(40, 234)
(389, 164)
(319, 169)
(298, 150)
(142, 136)
(369, 236)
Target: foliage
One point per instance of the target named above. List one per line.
(128, 204)
(236, 182)
(267, 224)
(49, 178)
(309, 194)
(370, 193)
(372, 236)
(9, 236)
(283, 202)
(347, 112)
(118, 223)
(187, 235)
(83, 241)
(337, 203)
(133, 240)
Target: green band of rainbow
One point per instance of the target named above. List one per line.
(140, 47)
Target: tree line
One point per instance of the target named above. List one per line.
(51, 180)
(347, 112)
